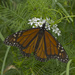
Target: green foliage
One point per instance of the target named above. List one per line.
(14, 16)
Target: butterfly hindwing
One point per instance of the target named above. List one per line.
(41, 52)
(31, 47)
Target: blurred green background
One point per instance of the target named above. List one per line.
(14, 16)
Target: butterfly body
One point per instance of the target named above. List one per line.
(38, 41)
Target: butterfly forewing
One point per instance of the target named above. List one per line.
(51, 44)
(21, 38)
(54, 49)
(27, 39)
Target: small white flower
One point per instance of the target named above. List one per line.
(31, 23)
(39, 22)
(56, 25)
(43, 21)
(59, 33)
(38, 18)
(29, 20)
(36, 24)
(48, 26)
(57, 30)
(35, 19)
(33, 26)
(54, 28)
(48, 19)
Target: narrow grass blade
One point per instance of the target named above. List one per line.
(5, 60)
(1, 36)
(68, 67)
(32, 71)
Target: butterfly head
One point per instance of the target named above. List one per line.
(43, 26)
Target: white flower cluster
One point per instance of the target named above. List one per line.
(38, 22)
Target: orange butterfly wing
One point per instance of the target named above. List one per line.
(41, 52)
(25, 40)
(54, 49)
(40, 42)
(49, 48)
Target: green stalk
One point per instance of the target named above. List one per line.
(68, 67)
(3, 65)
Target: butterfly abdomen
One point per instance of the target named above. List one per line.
(40, 35)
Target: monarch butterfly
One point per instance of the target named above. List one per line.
(39, 41)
